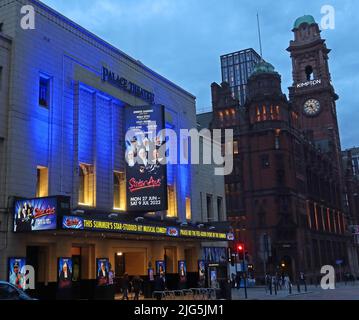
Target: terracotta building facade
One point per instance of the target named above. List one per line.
(285, 196)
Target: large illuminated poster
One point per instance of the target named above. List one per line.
(102, 270)
(35, 214)
(17, 272)
(64, 272)
(146, 175)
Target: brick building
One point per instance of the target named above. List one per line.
(285, 195)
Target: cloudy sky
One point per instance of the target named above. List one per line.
(183, 39)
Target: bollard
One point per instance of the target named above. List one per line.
(275, 289)
(290, 288)
(298, 287)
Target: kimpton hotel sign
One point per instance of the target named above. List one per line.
(126, 85)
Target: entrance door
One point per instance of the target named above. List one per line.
(170, 260)
(76, 264)
(36, 256)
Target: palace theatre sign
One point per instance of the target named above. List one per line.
(126, 85)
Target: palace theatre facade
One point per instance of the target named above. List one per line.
(67, 99)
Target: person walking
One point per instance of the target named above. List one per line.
(137, 284)
(111, 276)
(125, 286)
(238, 281)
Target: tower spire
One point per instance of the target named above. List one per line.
(259, 36)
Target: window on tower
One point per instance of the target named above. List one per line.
(309, 73)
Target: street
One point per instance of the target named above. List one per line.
(342, 292)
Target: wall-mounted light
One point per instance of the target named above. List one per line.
(119, 254)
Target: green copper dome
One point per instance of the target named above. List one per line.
(263, 67)
(305, 19)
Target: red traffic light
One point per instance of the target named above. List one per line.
(240, 247)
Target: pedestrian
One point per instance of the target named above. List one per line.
(238, 280)
(111, 276)
(137, 284)
(287, 283)
(302, 280)
(125, 286)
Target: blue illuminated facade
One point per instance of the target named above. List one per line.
(62, 134)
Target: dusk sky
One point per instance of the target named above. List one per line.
(183, 40)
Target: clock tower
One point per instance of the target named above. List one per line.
(312, 93)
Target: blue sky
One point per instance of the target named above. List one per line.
(183, 40)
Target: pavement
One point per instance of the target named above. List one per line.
(341, 292)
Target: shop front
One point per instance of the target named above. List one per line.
(73, 254)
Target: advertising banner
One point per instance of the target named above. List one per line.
(80, 223)
(65, 273)
(102, 267)
(160, 267)
(201, 269)
(16, 272)
(146, 171)
(182, 270)
(35, 214)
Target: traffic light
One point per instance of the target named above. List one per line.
(240, 248)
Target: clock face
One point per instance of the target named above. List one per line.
(311, 107)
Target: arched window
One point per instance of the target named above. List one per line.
(277, 112)
(264, 112)
(258, 115)
(309, 72)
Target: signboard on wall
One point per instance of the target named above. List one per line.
(102, 270)
(81, 223)
(17, 272)
(35, 214)
(64, 273)
(146, 171)
(160, 267)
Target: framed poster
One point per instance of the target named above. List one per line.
(16, 273)
(160, 267)
(201, 269)
(64, 273)
(102, 267)
(182, 268)
(38, 214)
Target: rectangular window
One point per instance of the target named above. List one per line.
(188, 209)
(42, 182)
(44, 91)
(172, 202)
(1, 76)
(220, 209)
(210, 215)
(235, 147)
(86, 185)
(119, 191)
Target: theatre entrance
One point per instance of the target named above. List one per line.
(132, 263)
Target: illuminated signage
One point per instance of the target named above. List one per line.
(146, 174)
(310, 83)
(79, 223)
(35, 214)
(125, 85)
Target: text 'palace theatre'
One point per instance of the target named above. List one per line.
(69, 201)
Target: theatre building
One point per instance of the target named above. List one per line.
(67, 99)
